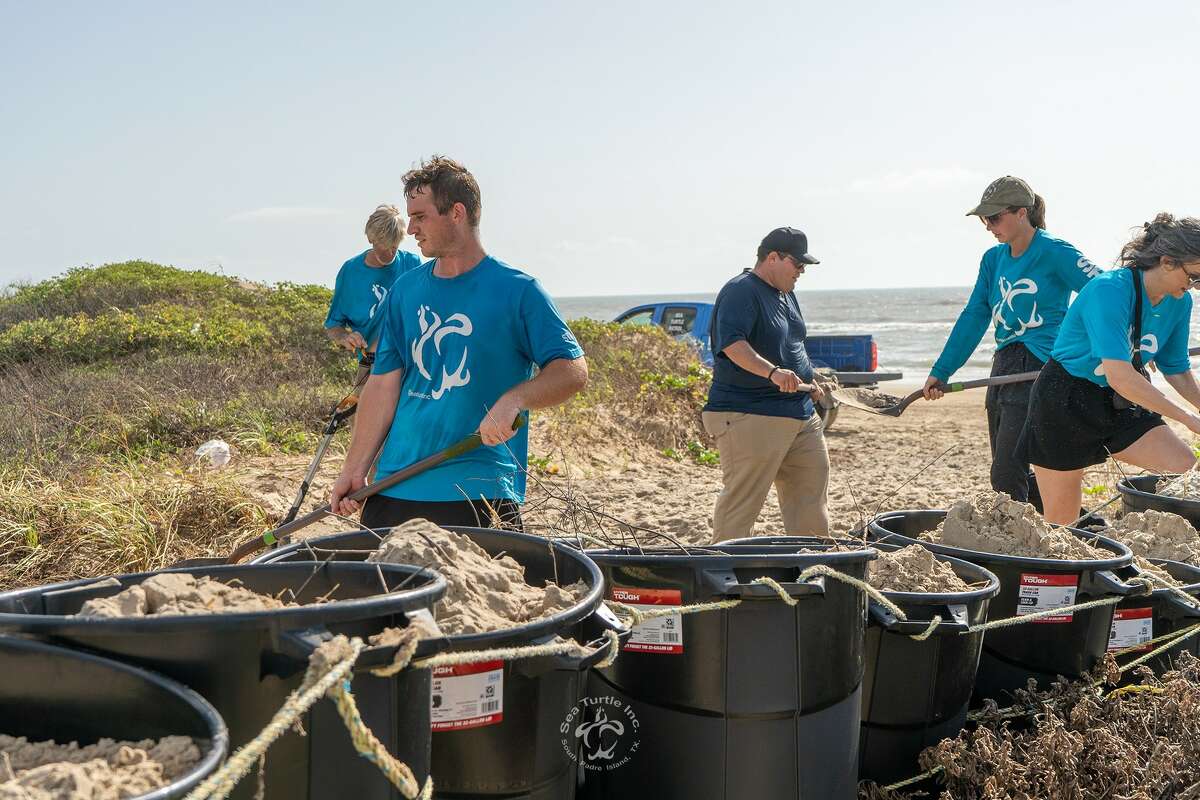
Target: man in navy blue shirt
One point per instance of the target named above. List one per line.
(760, 406)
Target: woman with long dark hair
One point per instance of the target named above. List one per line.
(1022, 291)
(1094, 399)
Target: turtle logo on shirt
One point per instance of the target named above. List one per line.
(1149, 346)
(1007, 318)
(435, 329)
(380, 293)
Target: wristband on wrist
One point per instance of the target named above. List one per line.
(772, 372)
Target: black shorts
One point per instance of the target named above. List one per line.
(1072, 423)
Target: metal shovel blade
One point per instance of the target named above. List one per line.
(874, 402)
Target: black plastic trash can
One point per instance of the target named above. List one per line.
(1068, 645)
(759, 700)
(915, 693)
(1137, 620)
(51, 692)
(1139, 494)
(512, 748)
(246, 664)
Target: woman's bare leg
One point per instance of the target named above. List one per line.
(1062, 493)
(1159, 450)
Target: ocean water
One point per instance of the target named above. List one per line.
(910, 325)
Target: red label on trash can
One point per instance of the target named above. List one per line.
(1046, 592)
(658, 635)
(1131, 627)
(467, 696)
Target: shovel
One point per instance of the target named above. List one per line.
(891, 406)
(280, 534)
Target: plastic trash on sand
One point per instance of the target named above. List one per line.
(215, 451)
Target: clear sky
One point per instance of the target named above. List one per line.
(621, 147)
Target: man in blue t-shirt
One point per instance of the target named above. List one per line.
(460, 341)
(760, 406)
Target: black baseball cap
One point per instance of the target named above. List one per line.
(788, 241)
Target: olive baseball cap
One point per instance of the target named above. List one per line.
(1001, 194)
(789, 241)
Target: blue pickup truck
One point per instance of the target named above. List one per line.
(853, 358)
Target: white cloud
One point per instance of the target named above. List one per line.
(284, 213)
(917, 180)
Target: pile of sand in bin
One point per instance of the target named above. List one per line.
(179, 593)
(1185, 486)
(1158, 534)
(913, 569)
(1159, 575)
(992, 522)
(107, 770)
(482, 593)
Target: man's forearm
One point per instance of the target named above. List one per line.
(746, 357)
(555, 383)
(376, 408)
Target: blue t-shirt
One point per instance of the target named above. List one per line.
(750, 309)
(1099, 325)
(1025, 299)
(462, 342)
(359, 292)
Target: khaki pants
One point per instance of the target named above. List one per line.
(757, 451)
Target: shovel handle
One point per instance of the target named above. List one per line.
(283, 531)
(1019, 377)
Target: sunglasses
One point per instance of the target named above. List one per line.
(992, 219)
(1193, 278)
(797, 263)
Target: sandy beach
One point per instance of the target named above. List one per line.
(928, 457)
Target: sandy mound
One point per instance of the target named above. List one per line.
(178, 593)
(482, 594)
(913, 569)
(108, 770)
(1157, 534)
(992, 522)
(1185, 487)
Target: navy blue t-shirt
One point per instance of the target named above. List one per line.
(750, 309)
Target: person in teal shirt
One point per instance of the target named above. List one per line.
(1024, 285)
(468, 344)
(356, 310)
(1094, 399)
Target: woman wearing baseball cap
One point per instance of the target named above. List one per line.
(1093, 399)
(1023, 288)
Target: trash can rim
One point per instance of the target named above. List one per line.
(288, 618)
(218, 733)
(1123, 556)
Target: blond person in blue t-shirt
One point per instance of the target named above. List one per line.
(356, 310)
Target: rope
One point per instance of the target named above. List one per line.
(1173, 589)
(1186, 633)
(1141, 645)
(1137, 689)
(218, 785)
(327, 673)
(929, 773)
(638, 616)
(406, 642)
(370, 748)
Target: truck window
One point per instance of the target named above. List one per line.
(679, 320)
(639, 318)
